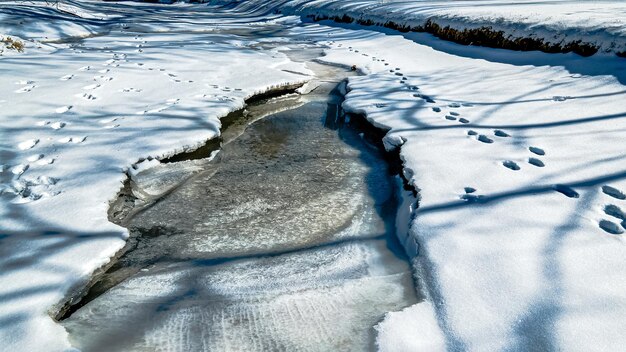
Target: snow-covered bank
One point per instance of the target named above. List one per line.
(519, 162)
(74, 117)
(584, 27)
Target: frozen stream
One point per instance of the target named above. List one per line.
(284, 241)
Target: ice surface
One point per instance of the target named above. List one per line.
(293, 180)
(315, 300)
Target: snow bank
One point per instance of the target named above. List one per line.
(75, 117)
(584, 27)
(412, 329)
(519, 161)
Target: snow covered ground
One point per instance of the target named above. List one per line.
(74, 117)
(601, 24)
(519, 161)
(518, 240)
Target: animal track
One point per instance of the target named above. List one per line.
(28, 144)
(536, 162)
(25, 89)
(437, 109)
(18, 170)
(566, 190)
(615, 211)
(511, 165)
(66, 77)
(470, 197)
(610, 227)
(35, 157)
(127, 90)
(485, 139)
(424, 97)
(75, 140)
(57, 125)
(500, 133)
(451, 118)
(91, 86)
(63, 109)
(537, 151)
(86, 96)
(105, 121)
(463, 120)
(560, 98)
(613, 192)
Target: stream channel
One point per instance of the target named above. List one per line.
(284, 240)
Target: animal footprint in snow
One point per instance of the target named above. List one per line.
(436, 109)
(91, 86)
(613, 192)
(86, 96)
(537, 151)
(485, 139)
(85, 68)
(75, 140)
(615, 211)
(500, 133)
(127, 90)
(57, 125)
(424, 97)
(509, 164)
(102, 78)
(454, 105)
(25, 89)
(560, 98)
(451, 118)
(28, 144)
(469, 195)
(66, 77)
(35, 157)
(610, 227)
(18, 170)
(536, 162)
(105, 121)
(566, 191)
(464, 120)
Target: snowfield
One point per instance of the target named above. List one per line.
(73, 120)
(517, 234)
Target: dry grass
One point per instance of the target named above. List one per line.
(483, 36)
(13, 44)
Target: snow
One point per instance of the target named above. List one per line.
(599, 23)
(518, 157)
(397, 332)
(514, 255)
(67, 139)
